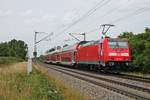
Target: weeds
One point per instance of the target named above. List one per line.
(15, 84)
(9, 60)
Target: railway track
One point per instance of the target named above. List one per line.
(125, 76)
(109, 80)
(132, 91)
(136, 78)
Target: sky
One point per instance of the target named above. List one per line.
(19, 19)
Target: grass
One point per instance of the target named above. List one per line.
(68, 92)
(9, 60)
(15, 84)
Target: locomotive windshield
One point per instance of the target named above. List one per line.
(118, 44)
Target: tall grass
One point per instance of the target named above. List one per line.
(15, 84)
(67, 92)
(9, 60)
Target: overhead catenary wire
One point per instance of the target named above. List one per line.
(137, 12)
(44, 38)
(90, 12)
(106, 14)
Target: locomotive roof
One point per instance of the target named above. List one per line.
(117, 39)
(55, 51)
(69, 47)
(82, 43)
(85, 43)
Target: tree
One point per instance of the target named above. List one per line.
(14, 48)
(140, 48)
(127, 35)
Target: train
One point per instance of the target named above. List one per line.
(104, 54)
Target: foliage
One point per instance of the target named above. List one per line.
(140, 49)
(42, 58)
(13, 48)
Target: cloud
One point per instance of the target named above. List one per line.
(70, 17)
(48, 17)
(27, 12)
(31, 20)
(40, 19)
(6, 13)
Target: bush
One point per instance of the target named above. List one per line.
(140, 49)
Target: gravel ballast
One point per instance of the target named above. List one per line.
(93, 92)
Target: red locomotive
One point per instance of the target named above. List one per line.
(107, 53)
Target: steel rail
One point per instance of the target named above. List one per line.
(133, 77)
(126, 93)
(109, 80)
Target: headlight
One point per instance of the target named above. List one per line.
(124, 54)
(112, 54)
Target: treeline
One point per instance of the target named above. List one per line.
(140, 49)
(13, 48)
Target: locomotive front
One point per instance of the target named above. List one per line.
(118, 52)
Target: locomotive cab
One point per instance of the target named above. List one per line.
(118, 52)
(114, 52)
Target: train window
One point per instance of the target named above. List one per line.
(117, 44)
(123, 44)
(96, 42)
(83, 42)
(86, 43)
(101, 49)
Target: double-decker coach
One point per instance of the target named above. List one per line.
(104, 54)
(107, 53)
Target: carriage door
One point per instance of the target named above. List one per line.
(73, 57)
(101, 51)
